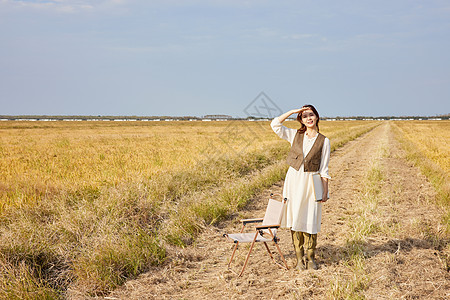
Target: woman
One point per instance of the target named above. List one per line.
(309, 154)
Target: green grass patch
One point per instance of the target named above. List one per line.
(350, 287)
(361, 227)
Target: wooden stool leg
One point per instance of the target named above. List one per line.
(248, 255)
(232, 255)
(282, 257)
(270, 253)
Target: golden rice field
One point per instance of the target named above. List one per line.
(87, 205)
(431, 138)
(426, 143)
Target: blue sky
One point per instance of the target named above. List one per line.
(135, 57)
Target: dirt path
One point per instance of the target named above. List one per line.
(402, 252)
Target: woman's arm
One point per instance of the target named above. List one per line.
(286, 115)
(323, 169)
(284, 132)
(325, 189)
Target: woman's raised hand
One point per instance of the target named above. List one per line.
(286, 115)
(299, 110)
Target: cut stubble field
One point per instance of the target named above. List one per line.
(89, 205)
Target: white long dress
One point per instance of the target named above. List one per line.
(302, 212)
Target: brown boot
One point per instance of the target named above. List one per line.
(310, 245)
(297, 240)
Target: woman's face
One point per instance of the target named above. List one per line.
(309, 118)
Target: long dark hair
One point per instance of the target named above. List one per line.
(299, 118)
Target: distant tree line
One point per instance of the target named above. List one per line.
(443, 117)
(93, 118)
(194, 118)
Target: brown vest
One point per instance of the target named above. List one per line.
(312, 160)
